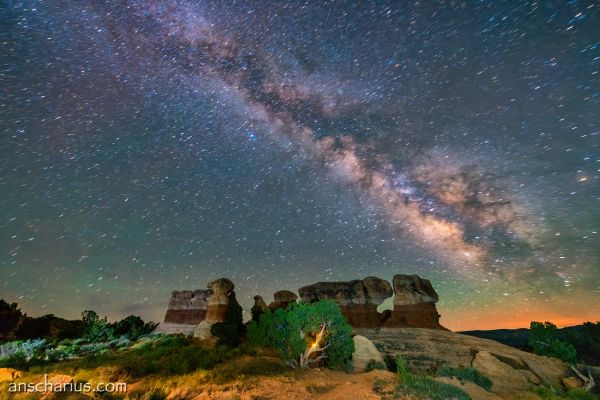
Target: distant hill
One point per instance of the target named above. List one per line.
(585, 338)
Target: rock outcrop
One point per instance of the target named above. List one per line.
(414, 301)
(258, 308)
(414, 304)
(187, 307)
(514, 373)
(364, 352)
(218, 305)
(357, 299)
(282, 299)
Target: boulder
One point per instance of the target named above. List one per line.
(505, 377)
(187, 307)
(282, 299)
(414, 304)
(572, 382)
(9, 374)
(364, 351)
(357, 299)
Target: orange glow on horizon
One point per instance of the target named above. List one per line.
(505, 320)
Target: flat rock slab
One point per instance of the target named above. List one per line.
(175, 329)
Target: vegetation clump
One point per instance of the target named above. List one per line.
(305, 334)
(466, 374)
(543, 340)
(424, 386)
(575, 394)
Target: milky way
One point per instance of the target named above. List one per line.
(155, 145)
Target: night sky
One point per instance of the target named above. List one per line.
(151, 146)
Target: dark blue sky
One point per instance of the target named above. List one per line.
(150, 146)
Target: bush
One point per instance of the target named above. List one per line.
(542, 338)
(586, 340)
(96, 329)
(33, 348)
(550, 394)
(10, 348)
(305, 333)
(466, 374)
(132, 327)
(17, 361)
(10, 316)
(423, 386)
(170, 355)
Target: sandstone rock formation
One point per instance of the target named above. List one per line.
(414, 304)
(364, 351)
(221, 299)
(282, 299)
(358, 299)
(514, 373)
(187, 307)
(258, 308)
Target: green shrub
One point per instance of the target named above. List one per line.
(17, 360)
(432, 389)
(299, 333)
(10, 348)
(96, 329)
(466, 374)
(576, 394)
(132, 327)
(423, 386)
(402, 372)
(542, 338)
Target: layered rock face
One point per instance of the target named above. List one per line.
(414, 304)
(221, 299)
(187, 307)
(282, 299)
(414, 301)
(357, 299)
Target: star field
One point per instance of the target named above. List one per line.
(150, 146)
